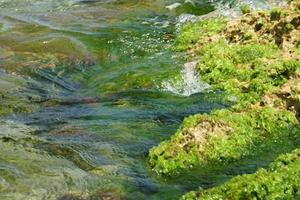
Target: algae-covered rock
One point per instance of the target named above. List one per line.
(12, 99)
(26, 171)
(46, 53)
(191, 33)
(245, 8)
(278, 26)
(221, 137)
(104, 194)
(279, 181)
(254, 61)
(238, 58)
(287, 96)
(11, 104)
(40, 168)
(27, 51)
(29, 45)
(245, 71)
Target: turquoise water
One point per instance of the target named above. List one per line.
(93, 72)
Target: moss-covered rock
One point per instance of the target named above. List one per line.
(254, 61)
(279, 181)
(193, 33)
(248, 56)
(245, 8)
(245, 71)
(222, 137)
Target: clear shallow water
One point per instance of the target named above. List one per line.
(95, 71)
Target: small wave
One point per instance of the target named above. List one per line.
(188, 83)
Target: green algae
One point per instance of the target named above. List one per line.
(129, 67)
(245, 9)
(105, 193)
(27, 45)
(11, 104)
(11, 98)
(22, 164)
(191, 33)
(242, 70)
(27, 158)
(246, 71)
(222, 137)
(279, 181)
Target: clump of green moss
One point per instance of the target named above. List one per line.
(275, 14)
(192, 33)
(288, 28)
(279, 181)
(244, 71)
(245, 9)
(221, 137)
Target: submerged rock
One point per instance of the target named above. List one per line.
(12, 97)
(99, 195)
(35, 46)
(26, 171)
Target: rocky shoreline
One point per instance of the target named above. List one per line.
(255, 60)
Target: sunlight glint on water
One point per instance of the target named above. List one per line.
(189, 83)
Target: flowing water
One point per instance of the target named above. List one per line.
(103, 86)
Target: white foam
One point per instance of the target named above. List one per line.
(173, 6)
(188, 84)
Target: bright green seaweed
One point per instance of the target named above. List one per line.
(235, 136)
(190, 34)
(279, 181)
